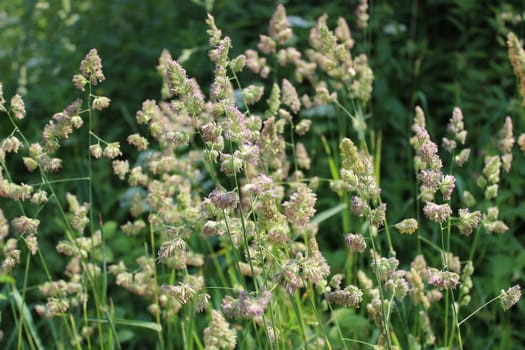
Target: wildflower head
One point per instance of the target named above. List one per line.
(279, 29)
(350, 296)
(246, 306)
(95, 150)
(397, 284)
(301, 206)
(100, 103)
(355, 242)
(112, 150)
(517, 59)
(437, 212)
(468, 221)
(462, 157)
(448, 182)
(18, 107)
(303, 126)
(219, 335)
(2, 99)
(362, 15)
(442, 279)
(25, 226)
(91, 68)
(456, 127)
(252, 94)
(506, 140)
(510, 297)
(407, 226)
(383, 267)
(521, 142)
(492, 168)
(290, 97)
(289, 277)
(224, 200)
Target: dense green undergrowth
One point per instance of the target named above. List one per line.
(269, 208)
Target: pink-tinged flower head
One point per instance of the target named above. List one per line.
(456, 126)
(350, 296)
(301, 206)
(18, 107)
(2, 99)
(342, 32)
(442, 279)
(214, 32)
(279, 29)
(506, 140)
(91, 67)
(246, 306)
(437, 212)
(224, 200)
(288, 278)
(219, 335)
(25, 226)
(517, 59)
(355, 242)
(362, 15)
(290, 97)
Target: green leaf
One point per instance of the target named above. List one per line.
(326, 214)
(348, 319)
(132, 323)
(7, 279)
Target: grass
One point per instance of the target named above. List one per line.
(228, 208)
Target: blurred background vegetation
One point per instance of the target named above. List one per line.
(435, 53)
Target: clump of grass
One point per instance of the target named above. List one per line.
(223, 199)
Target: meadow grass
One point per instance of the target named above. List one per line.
(220, 245)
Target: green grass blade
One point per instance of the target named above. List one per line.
(28, 319)
(334, 170)
(132, 323)
(324, 215)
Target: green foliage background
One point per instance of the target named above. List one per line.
(435, 53)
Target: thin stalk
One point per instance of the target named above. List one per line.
(382, 297)
(183, 332)
(216, 264)
(86, 322)
(91, 211)
(358, 342)
(74, 331)
(296, 302)
(113, 333)
(479, 309)
(456, 326)
(338, 327)
(318, 318)
(446, 249)
(243, 224)
(240, 278)
(474, 245)
(24, 289)
(155, 289)
(71, 179)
